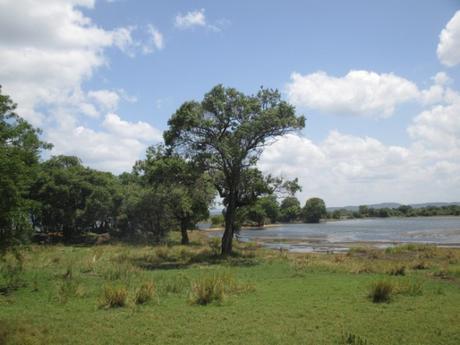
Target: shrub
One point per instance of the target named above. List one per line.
(114, 297)
(145, 293)
(381, 291)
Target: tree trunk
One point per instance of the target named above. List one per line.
(183, 231)
(227, 238)
(67, 232)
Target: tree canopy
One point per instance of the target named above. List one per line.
(314, 210)
(226, 132)
(20, 148)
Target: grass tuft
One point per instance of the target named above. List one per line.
(208, 290)
(114, 297)
(145, 293)
(381, 291)
(353, 339)
(397, 271)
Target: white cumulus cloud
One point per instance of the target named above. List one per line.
(139, 130)
(190, 19)
(106, 99)
(48, 49)
(360, 92)
(449, 42)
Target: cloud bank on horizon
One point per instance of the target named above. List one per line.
(50, 52)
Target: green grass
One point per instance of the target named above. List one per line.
(268, 297)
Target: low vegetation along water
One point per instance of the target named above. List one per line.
(340, 235)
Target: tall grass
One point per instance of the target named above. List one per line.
(208, 290)
(11, 272)
(114, 297)
(145, 293)
(381, 291)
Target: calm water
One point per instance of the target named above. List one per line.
(334, 236)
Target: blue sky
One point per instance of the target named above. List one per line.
(377, 81)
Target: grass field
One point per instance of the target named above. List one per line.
(120, 294)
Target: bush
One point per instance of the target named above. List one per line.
(145, 293)
(114, 297)
(381, 291)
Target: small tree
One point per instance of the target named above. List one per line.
(314, 210)
(227, 132)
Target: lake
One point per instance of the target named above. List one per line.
(336, 236)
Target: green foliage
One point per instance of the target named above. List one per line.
(265, 209)
(226, 132)
(74, 199)
(20, 148)
(217, 220)
(189, 189)
(314, 210)
(401, 211)
(290, 209)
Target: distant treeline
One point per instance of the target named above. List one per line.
(401, 211)
(268, 210)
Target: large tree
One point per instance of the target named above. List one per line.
(20, 148)
(227, 132)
